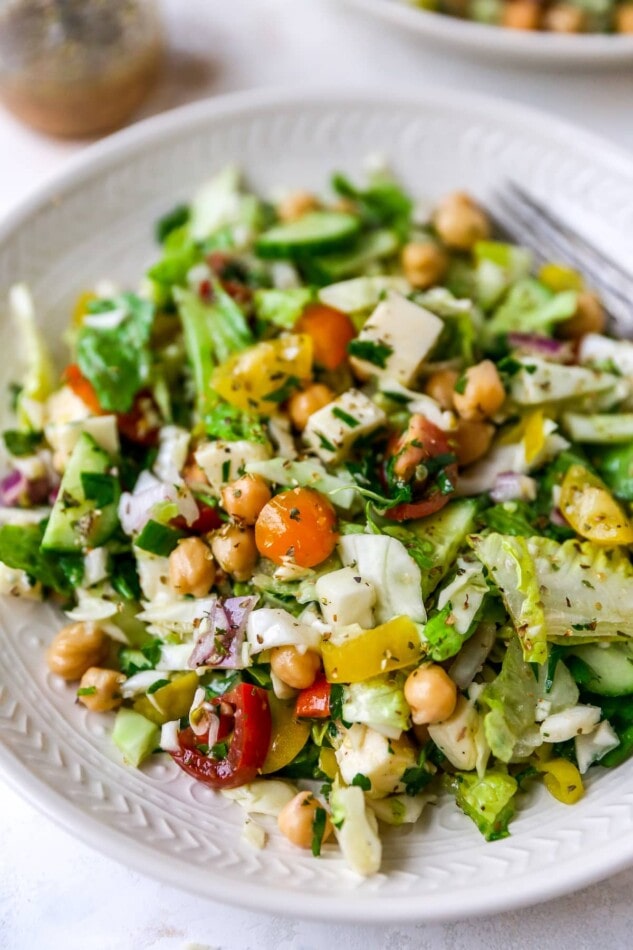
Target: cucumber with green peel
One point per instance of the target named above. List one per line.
(78, 521)
(606, 671)
(445, 532)
(318, 232)
(135, 736)
(366, 250)
(616, 467)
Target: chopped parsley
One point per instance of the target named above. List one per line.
(318, 830)
(156, 686)
(362, 781)
(345, 417)
(375, 353)
(86, 690)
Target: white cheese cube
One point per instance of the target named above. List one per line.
(271, 627)
(63, 437)
(382, 760)
(223, 462)
(346, 598)
(332, 431)
(397, 337)
(386, 563)
(457, 736)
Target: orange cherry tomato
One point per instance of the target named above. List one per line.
(331, 331)
(82, 388)
(299, 526)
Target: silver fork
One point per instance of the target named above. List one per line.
(528, 222)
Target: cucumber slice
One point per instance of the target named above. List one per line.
(316, 233)
(78, 522)
(607, 671)
(445, 533)
(368, 249)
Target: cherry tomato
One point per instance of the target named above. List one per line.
(298, 525)
(142, 423)
(247, 747)
(83, 388)
(314, 702)
(419, 443)
(331, 331)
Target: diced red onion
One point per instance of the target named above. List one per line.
(220, 645)
(557, 518)
(135, 509)
(557, 351)
(13, 488)
(513, 486)
(17, 489)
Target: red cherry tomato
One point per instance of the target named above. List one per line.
(419, 443)
(142, 423)
(314, 702)
(208, 520)
(248, 745)
(83, 388)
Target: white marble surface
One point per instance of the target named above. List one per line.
(55, 893)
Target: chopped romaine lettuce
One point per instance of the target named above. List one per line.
(489, 800)
(378, 703)
(511, 700)
(565, 593)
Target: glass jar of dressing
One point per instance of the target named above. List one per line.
(77, 67)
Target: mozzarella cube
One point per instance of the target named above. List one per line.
(346, 598)
(332, 431)
(271, 627)
(63, 437)
(223, 462)
(457, 736)
(397, 338)
(382, 760)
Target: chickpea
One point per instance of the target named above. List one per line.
(424, 263)
(76, 648)
(564, 18)
(521, 15)
(296, 204)
(460, 222)
(589, 317)
(483, 393)
(104, 686)
(304, 403)
(431, 694)
(235, 550)
(191, 568)
(293, 668)
(472, 440)
(624, 18)
(296, 818)
(244, 498)
(440, 386)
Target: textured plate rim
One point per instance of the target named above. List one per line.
(115, 844)
(479, 38)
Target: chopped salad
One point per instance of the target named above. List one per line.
(553, 16)
(337, 503)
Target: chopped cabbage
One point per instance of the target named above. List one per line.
(378, 703)
(356, 829)
(396, 577)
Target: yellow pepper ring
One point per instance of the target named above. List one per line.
(391, 646)
(562, 780)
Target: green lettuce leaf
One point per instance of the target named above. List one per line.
(530, 307)
(282, 308)
(117, 360)
(20, 549)
(489, 801)
(511, 700)
(378, 703)
(565, 593)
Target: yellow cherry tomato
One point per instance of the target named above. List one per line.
(171, 701)
(562, 780)
(591, 510)
(390, 646)
(263, 376)
(558, 277)
(288, 735)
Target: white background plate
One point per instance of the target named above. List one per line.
(95, 221)
(515, 47)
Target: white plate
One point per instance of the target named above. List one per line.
(515, 47)
(96, 221)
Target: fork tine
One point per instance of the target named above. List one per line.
(572, 234)
(529, 228)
